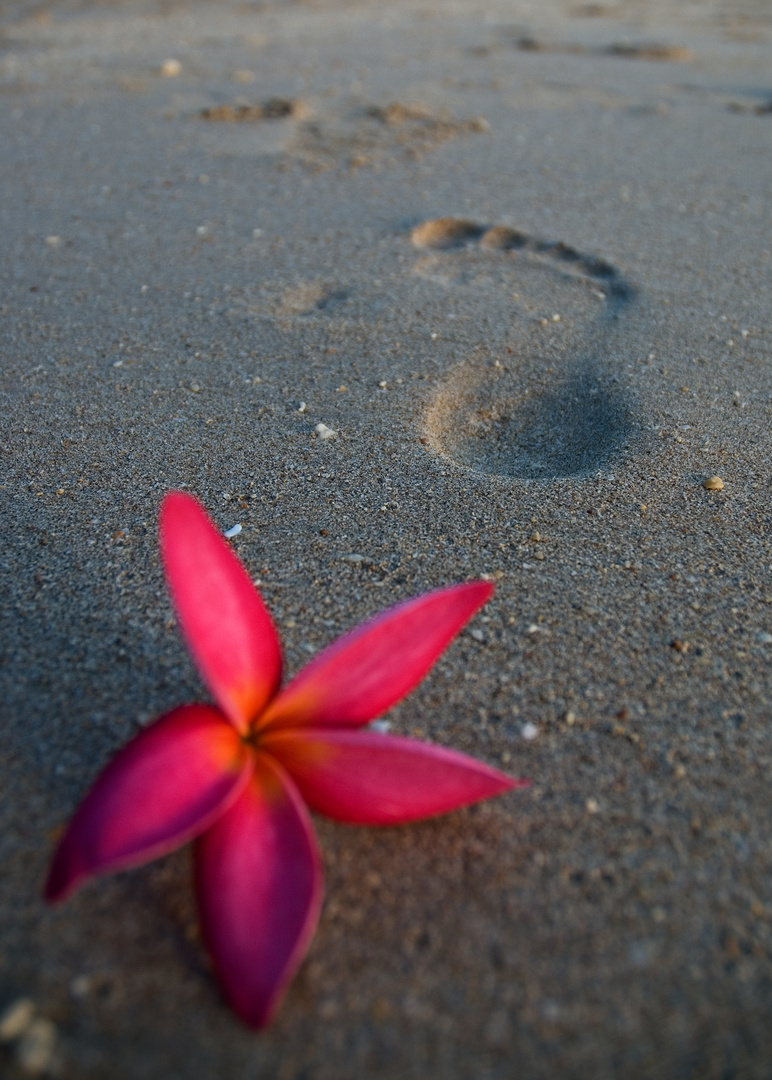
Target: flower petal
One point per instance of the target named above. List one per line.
(369, 669)
(259, 886)
(366, 778)
(160, 791)
(225, 622)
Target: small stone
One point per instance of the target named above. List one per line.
(233, 531)
(80, 986)
(325, 432)
(591, 806)
(570, 718)
(53, 241)
(529, 732)
(713, 483)
(171, 68)
(478, 635)
(35, 1049)
(764, 638)
(15, 1020)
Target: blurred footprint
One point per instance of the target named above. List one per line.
(553, 406)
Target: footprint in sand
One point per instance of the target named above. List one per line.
(552, 405)
(350, 135)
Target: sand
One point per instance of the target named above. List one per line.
(516, 257)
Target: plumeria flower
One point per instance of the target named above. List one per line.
(237, 776)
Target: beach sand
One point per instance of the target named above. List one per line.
(516, 256)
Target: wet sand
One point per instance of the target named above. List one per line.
(516, 258)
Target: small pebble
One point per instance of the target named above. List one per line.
(570, 718)
(529, 732)
(591, 806)
(53, 241)
(325, 432)
(35, 1049)
(713, 483)
(15, 1020)
(478, 635)
(81, 984)
(171, 68)
(381, 726)
(233, 531)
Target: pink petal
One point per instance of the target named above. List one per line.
(259, 885)
(366, 778)
(372, 667)
(162, 789)
(225, 622)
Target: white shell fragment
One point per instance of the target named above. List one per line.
(16, 1019)
(233, 531)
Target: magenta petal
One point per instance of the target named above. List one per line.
(366, 778)
(259, 886)
(226, 624)
(162, 789)
(368, 670)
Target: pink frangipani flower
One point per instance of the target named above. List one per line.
(236, 776)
